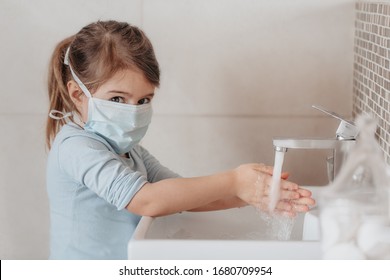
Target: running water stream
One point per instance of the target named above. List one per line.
(274, 193)
(280, 226)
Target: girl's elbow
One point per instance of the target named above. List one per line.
(146, 209)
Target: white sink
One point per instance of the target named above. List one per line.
(229, 234)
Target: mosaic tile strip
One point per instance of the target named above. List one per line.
(371, 81)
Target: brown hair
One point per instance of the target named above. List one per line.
(96, 53)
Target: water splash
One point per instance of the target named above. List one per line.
(279, 227)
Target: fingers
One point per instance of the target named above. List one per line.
(289, 195)
(285, 185)
(284, 194)
(293, 199)
(299, 196)
(288, 206)
(284, 206)
(304, 201)
(285, 175)
(301, 204)
(289, 190)
(304, 192)
(300, 208)
(290, 202)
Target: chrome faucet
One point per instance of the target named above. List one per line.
(345, 137)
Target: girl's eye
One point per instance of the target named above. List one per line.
(117, 99)
(144, 101)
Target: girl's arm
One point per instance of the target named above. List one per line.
(221, 204)
(180, 194)
(247, 183)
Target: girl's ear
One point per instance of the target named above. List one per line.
(75, 94)
(79, 99)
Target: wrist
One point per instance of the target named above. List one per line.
(234, 177)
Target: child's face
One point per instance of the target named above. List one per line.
(127, 86)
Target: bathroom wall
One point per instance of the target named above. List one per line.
(235, 74)
(371, 86)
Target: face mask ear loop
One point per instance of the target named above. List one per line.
(78, 81)
(53, 114)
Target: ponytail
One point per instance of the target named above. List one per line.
(59, 99)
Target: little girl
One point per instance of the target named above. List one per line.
(100, 181)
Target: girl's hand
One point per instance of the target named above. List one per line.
(252, 185)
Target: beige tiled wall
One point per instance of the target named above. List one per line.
(372, 66)
(235, 74)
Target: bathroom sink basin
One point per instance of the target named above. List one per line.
(240, 233)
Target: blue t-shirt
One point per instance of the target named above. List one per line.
(89, 186)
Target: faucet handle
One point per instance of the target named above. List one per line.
(347, 130)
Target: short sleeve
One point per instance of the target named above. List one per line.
(90, 163)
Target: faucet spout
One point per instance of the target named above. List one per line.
(289, 143)
(337, 145)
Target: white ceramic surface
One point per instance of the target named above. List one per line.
(228, 234)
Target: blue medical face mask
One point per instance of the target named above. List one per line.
(121, 125)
